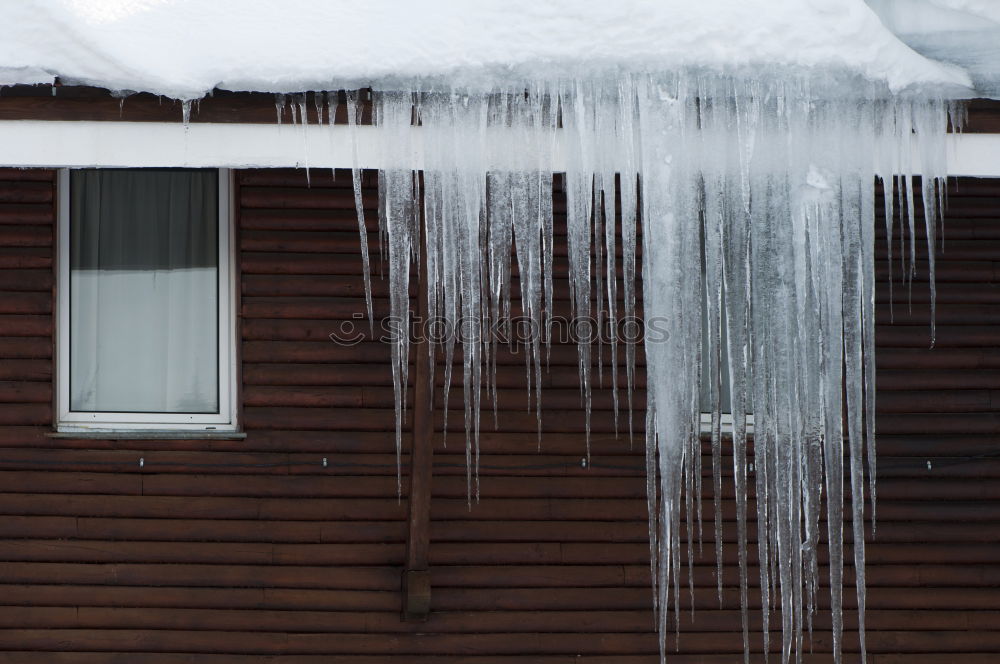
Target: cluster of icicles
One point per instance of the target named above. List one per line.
(756, 202)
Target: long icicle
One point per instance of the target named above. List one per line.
(756, 200)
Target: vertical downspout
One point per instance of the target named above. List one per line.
(416, 584)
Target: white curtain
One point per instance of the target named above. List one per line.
(144, 291)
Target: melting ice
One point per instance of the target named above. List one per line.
(756, 204)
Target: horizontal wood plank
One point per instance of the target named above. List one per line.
(285, 547)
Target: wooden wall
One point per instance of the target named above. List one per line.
(253, 551)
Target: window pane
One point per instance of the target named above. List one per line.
(725, 394)
(144, 291)
(725, 397)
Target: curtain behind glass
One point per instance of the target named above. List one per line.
(144, 291)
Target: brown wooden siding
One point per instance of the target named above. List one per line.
(244, 552)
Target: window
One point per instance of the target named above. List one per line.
(725, 397)
(145, 320)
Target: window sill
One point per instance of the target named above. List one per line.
(149, 435)
(726, 424)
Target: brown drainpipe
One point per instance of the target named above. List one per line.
(416, 582)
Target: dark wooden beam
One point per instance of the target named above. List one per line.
(55, 102)
(416, 575)
(78, 102)
(983, 118)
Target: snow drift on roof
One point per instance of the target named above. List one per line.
(965, 33)
(185, 48)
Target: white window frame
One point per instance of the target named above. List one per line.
(81, 421)
(725, 421)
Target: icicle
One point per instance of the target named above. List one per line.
(579, 208)
(332, 105)
(757, 204)
(353, 119)
(300, 109)
(318, 103)
(397, 214)
(279, 106)
(300, 116)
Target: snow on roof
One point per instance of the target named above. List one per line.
(185, 48)
(965, 33)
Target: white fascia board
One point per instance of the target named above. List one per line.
(974, 155)
(42, 143)
(197, 145)
(53, 144)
